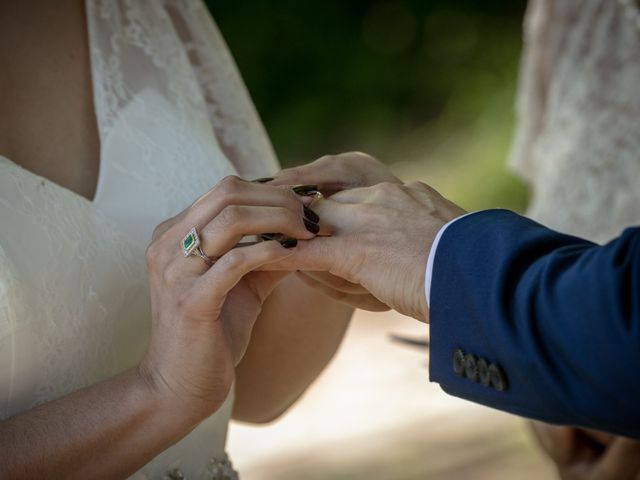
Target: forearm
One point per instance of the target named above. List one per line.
(108, 430)
(559, 314)
(294, 338)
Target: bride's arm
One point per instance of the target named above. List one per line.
(294, 338)
(107, 430)
(111, 429)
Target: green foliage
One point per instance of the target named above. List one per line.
(427, 83)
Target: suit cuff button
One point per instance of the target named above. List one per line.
(498, 378)
(483, 372)
(471, 367)
(458, 362)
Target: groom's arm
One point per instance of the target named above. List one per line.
(551, 322)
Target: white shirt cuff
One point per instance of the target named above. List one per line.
(432, 256)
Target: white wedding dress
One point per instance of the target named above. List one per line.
(174, 117)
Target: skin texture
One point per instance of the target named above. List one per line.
(380, 237)
(588, 454)
(332, 174)
(47, 119)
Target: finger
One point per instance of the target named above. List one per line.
(324, 172)
(319, 254)
(235, 191)
(557, 441)
(263, 283)
(603, 438)
(353, 195)
(362, 301)
(335, 215)
(381, 193)
(621, 461)
(236, 221)
(333, 173)
(336, 283)
(235, 264)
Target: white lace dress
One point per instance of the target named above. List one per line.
(578, 136)
(173, 114)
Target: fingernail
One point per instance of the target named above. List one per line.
(289, 242)
(311, 226)
(270, 236)
(286, 242)
(311, 215)
(262, 180)
(305, 190)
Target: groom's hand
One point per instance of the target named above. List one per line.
(333, 173)
(380, 238)
(587, 454)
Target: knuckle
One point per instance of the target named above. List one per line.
(386, 186)
(385, 190)
(234, 259)
(231, 216)
(153, 255)
(361, 157)
(289, 198)
(160, 230)
(153, 249)
(326, 159)
(228, 186)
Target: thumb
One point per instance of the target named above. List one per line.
(558, 441)
(621, 461)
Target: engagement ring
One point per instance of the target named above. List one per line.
(190, 245)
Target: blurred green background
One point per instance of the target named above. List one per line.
(425, 85)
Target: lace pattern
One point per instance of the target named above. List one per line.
(578, 136)
(218, 469)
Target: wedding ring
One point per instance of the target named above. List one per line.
(191, 245)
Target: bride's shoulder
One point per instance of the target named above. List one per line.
(13, 180)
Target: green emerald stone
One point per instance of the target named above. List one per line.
(188, 241)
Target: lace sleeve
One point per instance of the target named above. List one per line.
(174, 48)
(533, 85)
(234, 118)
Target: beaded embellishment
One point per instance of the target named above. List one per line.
(218, 469)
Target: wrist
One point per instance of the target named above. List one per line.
(169, 403)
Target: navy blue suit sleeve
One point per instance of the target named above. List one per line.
(559, 315)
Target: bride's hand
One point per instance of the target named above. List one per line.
(380, 239)
(334, 173)
(202, 317)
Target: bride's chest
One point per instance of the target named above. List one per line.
(76, 269)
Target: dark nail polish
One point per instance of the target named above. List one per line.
(286, 242)
(311, 215)
(262, 180)
(311, 226)
(289, 242)
(305, 190)
(270, 236)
